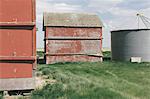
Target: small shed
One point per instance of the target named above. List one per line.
(72, 37)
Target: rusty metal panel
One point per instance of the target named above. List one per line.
(17, 11)
(52, 32)
(17, 57)
(72, 58)
(73, 44)
(17, 44)
(16, 70)
(17, 53)
(73, 32)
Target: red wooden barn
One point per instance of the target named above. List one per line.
(17, 44)
(72, 37)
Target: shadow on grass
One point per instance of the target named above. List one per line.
(41, 61)
(1, 95)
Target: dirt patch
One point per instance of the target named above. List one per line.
(16, 97)
(42, 81)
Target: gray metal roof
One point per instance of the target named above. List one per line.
(72, 20)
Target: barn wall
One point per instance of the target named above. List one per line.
(70, 44)
(17, 44)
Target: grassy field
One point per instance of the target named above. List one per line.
(107, 80)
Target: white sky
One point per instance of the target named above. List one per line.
(115, 14)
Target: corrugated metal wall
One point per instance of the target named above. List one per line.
(17, 44)
(130, 43)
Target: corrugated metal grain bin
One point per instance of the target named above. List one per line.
(72, 37)
(17, 45)
(130, 43)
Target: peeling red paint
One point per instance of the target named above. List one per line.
(73, 47)
(73, 32)
(74, 58)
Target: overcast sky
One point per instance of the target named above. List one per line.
(115, 14)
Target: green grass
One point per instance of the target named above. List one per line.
(40, 53)
(107, 80)
(106, 54)
(1, 95)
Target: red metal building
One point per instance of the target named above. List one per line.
(17, 45)
(72, 37)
